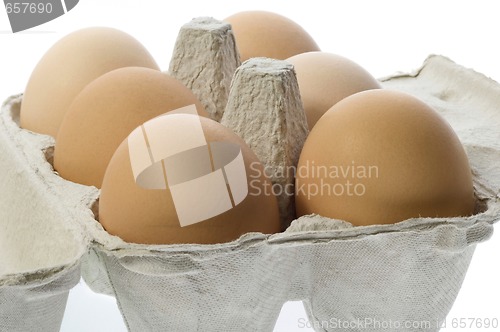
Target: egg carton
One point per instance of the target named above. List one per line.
(408, 271)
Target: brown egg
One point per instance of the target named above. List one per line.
(380, 157)
(266, 34)
(148, 199)
(106, 111)
(68, 66)
(325, 79)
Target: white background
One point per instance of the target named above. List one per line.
(383, 36)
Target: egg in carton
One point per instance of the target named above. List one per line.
(408, 271)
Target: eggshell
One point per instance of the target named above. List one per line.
(106, 111)
(380, 157)
(68, 66)
(266, 34)
(141, 215)
(325, 79)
